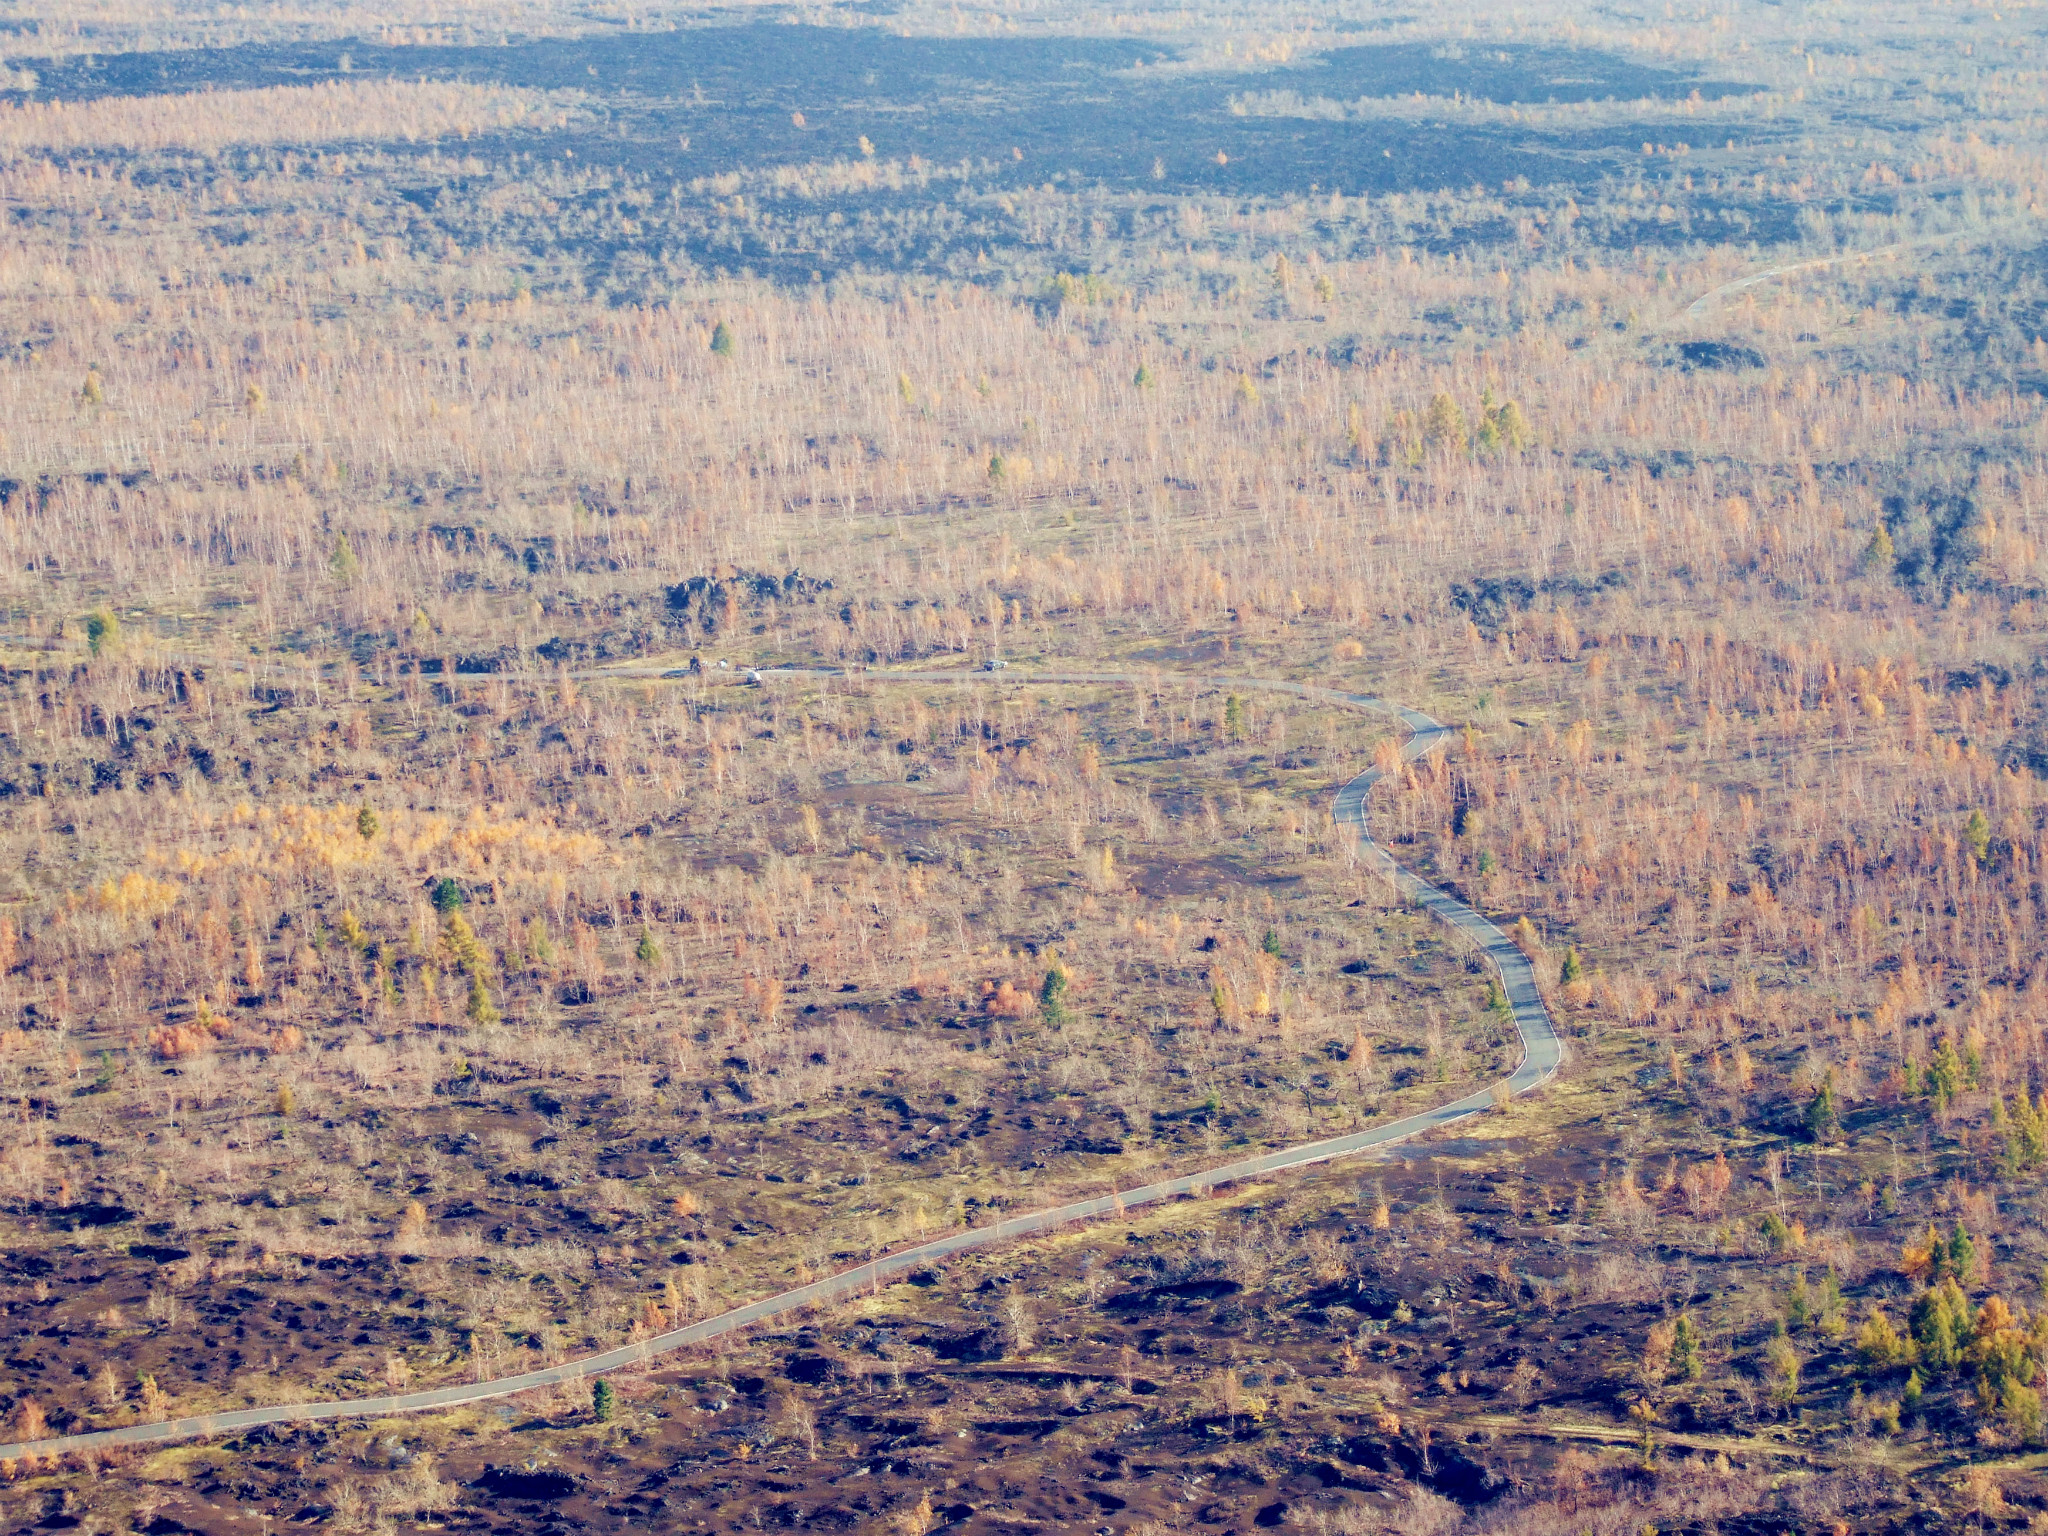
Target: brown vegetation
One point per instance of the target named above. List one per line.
(332, 113)
(395, 990)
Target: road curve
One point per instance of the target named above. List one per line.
(1542, 1055)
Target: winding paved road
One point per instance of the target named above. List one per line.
(1542, 1054)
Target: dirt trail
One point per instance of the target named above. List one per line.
(1705, 301)
(1543, 1054)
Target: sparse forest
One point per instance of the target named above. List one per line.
(451, 922)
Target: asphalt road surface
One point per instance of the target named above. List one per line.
(1542, 1055)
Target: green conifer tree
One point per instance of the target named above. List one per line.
(102, 630)
(1686, 1348)
(1822, 1121)
(1977, 836)
(1052, 994)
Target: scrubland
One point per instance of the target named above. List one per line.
(425, 954)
